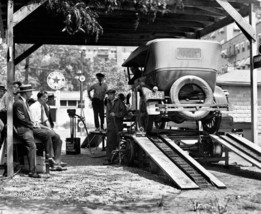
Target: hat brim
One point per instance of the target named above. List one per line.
(100, 75)
(17, 82)
(111, 92)
(26, 90)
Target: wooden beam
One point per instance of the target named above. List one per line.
(24, 11)
(253, 79)
(10, 77)
(2, 31)
(221, 23)
(214, 10)
(238, 18)
(26, 53)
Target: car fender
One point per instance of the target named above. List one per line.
(220, 96)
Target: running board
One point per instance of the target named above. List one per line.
(178, 176)
(210, 177)
(240, 146)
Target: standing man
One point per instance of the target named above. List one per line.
(115, 112)
(27, 130)
(99, 89)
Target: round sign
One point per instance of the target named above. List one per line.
(81, 125)
(56, 80)
(82, 78)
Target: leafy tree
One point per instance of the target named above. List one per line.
(70, 60)
(115, 76)
(83, 15)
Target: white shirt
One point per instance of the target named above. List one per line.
(38, 114)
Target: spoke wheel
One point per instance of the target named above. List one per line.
(124, 154)
(127, 152)
(211, 123)
(160, 124)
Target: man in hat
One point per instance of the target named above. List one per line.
(27, 130)
(115, 111)
(99, 89)
(16, 88)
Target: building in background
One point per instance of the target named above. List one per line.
(120, 54)
(235, 46)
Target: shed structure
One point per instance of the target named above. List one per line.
(31, 23)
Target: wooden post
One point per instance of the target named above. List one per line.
(10, 74)
(253, 80)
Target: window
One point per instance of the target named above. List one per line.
(243, 46)
(69, 103)
(237, 48)
(72, 102)
(247, 44)
(63, 103)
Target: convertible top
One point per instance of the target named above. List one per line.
(137, 58)
(162, 53)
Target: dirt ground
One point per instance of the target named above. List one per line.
(87, 186)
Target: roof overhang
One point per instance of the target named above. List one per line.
(197, 19)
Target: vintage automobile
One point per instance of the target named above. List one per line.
(175, 80)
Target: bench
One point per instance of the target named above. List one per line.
(19, 152)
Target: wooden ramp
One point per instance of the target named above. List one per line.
(173, 171)
(241, 146)
(205, 173)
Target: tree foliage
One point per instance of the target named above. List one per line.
(69, 60)
(83, 15)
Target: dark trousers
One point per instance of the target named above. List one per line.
(112, 142)
(56, 146)
(98, 110)
(27, 135)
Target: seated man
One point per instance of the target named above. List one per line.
(27, 130)
(40, 118)
(3, 109)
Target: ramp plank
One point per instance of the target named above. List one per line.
(211, 177)
(235, 150)
(245, 141)
(178, 176)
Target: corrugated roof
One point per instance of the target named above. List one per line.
(237, 77)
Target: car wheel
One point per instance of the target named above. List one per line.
(160, 124)
(191, 90)
(211, 123)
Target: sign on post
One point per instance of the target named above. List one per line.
(257, 58)
(257, 61)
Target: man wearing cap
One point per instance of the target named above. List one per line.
(27, 130)
(115, 111)
(99, 89)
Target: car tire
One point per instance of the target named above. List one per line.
(190, 79)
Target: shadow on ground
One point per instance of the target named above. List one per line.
(237, 170)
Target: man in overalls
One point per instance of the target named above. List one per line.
(115, 111)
